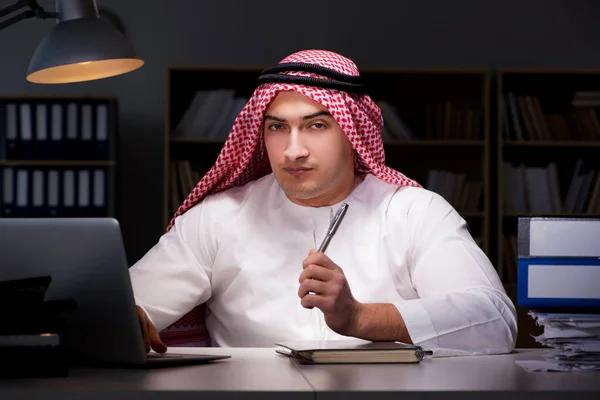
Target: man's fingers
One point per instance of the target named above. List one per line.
(144, 326)
(319, 259)
(312, 286)
(312, 300)
(155, 342)
(314, 271)
(315, 258)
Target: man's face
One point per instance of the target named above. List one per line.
(309, 153)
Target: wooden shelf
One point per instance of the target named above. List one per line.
(49, 163)
(197, 140)
(426, 143)
(537, 144)
(572, 215)
(472, 214)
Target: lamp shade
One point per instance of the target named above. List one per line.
(82, 49)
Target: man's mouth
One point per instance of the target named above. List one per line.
(297, 171)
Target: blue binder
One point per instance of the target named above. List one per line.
(558, 262)
(540, 286)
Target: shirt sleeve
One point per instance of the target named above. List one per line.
(174, 276)
(462, 307)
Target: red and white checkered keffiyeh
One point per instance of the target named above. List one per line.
(244, 157)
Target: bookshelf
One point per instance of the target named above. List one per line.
(548, 154)
(548, 158)
(546, 131)
(58, 156)
(436, 130)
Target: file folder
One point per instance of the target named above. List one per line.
(558, 262)
(557, 282)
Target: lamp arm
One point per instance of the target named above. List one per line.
(35, 11)
(19, 4)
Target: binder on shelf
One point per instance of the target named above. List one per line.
(21, 193)
(38, 193)
(99, 199)
(57, 129)
(41, 150)
(102, 137)
(72, 136)
(68, 193)
(558, 262)
(53, 192)
(11, 131)
(26, 141)
(8, 195)
(86, 144)
(83, 193)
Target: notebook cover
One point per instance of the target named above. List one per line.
(344, 345)
(303, 351)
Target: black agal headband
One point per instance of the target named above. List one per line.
(339, 81)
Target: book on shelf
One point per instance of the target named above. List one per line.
(453, 120)
(462, 193)
(351, 352)
(536, 189)
(524, 119)
(183, 180)
(210, 115)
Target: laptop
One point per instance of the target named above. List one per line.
(85, 258)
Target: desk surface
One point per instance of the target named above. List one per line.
(265, 374)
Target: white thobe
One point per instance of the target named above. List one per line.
(241, 252)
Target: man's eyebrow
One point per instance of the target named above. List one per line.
(278, 119)
(317, 114)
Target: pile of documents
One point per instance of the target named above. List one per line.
(573, 338)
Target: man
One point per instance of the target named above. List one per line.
(402, 265)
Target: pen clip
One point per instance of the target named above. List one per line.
(335, 222)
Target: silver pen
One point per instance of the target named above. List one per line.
(335, 222)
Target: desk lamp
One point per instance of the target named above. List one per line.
(80, 47)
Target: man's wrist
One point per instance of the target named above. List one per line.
(378, 322)
(357, 326)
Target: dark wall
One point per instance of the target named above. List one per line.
(374, 33)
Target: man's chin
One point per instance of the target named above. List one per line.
(300, 192)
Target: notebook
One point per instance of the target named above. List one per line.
(351, 352)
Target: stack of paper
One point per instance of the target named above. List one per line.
(574, 340)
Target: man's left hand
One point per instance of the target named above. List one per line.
(324, 285)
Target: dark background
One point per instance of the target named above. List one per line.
(373, 33)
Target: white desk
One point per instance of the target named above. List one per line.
(261, 373)
(258, 371)
(495, 376)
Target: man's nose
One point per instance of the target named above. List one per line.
(296, 148)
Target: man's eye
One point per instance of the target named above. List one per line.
(275, 127)
(319, 125)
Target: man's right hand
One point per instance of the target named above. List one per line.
(151, 338)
